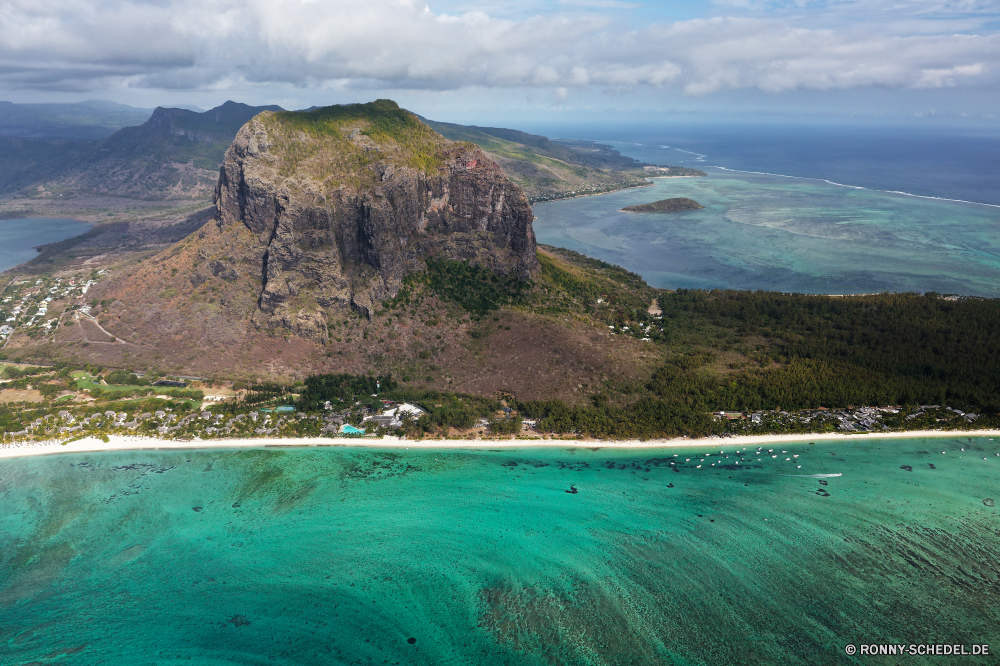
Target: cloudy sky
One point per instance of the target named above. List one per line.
(486, 60)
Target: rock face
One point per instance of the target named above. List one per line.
(345, 201)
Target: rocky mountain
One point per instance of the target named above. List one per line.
(322, 215)
(354, 239)
(357, 239)
(175, 154)
(345, 201)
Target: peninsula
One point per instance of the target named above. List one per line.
(353, 250)
(665, 206)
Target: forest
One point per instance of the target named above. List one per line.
(745, 351)
(479, 290)
(803, 351)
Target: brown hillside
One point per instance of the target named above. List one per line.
(330, 226)
(535, 351)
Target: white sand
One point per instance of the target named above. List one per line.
(138, 443)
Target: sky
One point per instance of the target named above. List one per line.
(492, 61)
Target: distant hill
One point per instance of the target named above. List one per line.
(91, 120)
(547, 169)
(174, 154)
(182, 136)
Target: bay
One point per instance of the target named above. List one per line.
(341, 555)
(801, 207)
(770, 232)
(19, 237)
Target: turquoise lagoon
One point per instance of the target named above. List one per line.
(761, 231)
(360, 556)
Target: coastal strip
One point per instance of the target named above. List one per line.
(137, 443)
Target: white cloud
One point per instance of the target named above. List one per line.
(600, 4)
(940, 78)
(402, 44)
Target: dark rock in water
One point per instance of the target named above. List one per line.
(932, 465)
(988, 501)
(906, 467)
(572, 490)
(411, 640)
(665, 206)
(196, 509)
(670, 485)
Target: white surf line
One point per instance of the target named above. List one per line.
(853, 187)
(690, 152)
(135, 442)
(924, 196)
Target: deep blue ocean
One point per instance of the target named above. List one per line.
(800, 208)
(954, 163)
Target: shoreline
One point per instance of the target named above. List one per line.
(620, 189)
(140, 443)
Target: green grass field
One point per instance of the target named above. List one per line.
(85, 382)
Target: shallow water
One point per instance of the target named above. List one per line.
(339, 556)
(784, 234)
(18, 238)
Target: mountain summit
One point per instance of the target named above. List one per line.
(320, 215)
(344, 201)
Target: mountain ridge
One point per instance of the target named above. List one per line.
(174, 154)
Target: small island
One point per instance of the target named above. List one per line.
(665, 206)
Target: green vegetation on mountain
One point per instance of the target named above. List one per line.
(477, 289)
(330, 151)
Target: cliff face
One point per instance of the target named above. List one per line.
(345, 201)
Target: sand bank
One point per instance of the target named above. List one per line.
(138, 443)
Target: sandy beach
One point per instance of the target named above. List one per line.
(139, 443)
